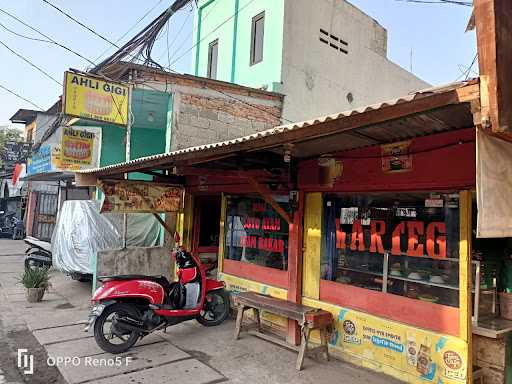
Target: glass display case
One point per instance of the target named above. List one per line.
(405, 244)
(484, 290)
(434, 281)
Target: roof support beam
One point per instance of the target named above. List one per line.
(266, 193)
(189, 171)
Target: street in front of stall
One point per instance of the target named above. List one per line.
(52, 332)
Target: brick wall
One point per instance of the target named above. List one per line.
(207, 111)
(207, 119)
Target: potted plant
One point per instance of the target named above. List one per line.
(36, 281)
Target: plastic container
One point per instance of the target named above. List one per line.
(506, 305)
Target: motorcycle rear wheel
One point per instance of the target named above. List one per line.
(216, 308)
(128, 339)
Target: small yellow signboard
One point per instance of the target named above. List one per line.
(76, 146)
(92, 98)
(138, 197)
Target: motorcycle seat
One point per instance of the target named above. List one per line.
(129, 277)
(162, 280)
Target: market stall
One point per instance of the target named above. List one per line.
(367, 214)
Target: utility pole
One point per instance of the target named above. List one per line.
(128, 139)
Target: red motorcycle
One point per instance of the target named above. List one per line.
(128, 308)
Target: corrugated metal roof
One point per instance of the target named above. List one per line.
(277, 131)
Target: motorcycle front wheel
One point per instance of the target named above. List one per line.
(216, 308)
(107, 336)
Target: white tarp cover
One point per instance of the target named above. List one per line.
(81, 231)
(494, 186)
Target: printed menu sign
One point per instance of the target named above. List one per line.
(137, 197)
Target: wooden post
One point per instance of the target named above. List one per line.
(312, 245)
(188, 220)
(465, 296)
(494, 35)
(31, 212)
(222, 235)
(295, 268)
(169, 230)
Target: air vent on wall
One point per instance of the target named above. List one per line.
(333, 41)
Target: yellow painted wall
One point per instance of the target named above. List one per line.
(465, 279)
(236, 285)
(312, 245)
(369, 341)
(383, 346)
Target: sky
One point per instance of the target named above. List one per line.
(430, 38)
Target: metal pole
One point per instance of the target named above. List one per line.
(127, 152)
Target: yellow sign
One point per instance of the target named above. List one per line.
(137, 197)
(95, 99)
(407, 353)
(76, 146)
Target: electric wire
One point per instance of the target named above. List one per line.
(62, 46)
(171, 44)
(21, 97)
(449, 2)
(468, 70)
(141, 45)
(131, 28)
(213, 31)
(280, 118)
(46, 36)
(30, 63)
(168, 47)
(151, 27)
(191, 32)
(24, 36)
(79, 23)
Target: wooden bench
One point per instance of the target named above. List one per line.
(309, 318)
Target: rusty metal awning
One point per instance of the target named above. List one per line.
(423, 113)
(50, 176)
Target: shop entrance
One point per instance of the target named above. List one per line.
(206, 228)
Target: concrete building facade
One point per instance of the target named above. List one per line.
(204, 111)
(325, 56)
(170, 112)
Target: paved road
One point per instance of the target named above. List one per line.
(52, 331)
(13, 330)
(187, 353)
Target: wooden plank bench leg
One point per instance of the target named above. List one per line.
(239, 319)
(305, 330)
(257, 318)
(324, 342)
